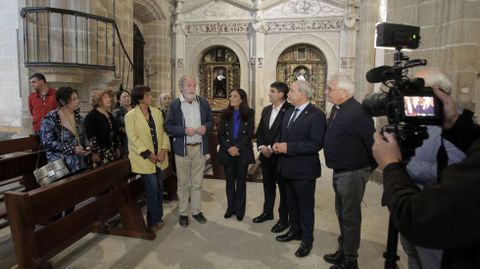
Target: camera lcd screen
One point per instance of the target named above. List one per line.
(419, 106)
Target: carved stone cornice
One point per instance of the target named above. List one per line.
(308, 25)
(305, 25)
(303, 8)
(218, 27)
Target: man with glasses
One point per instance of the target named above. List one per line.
(348, 151)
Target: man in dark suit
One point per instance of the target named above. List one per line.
(267, 132)
(300, 141)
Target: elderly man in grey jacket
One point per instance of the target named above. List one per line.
(188, 121)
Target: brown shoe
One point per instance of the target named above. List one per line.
(156, 227)
(153, 228)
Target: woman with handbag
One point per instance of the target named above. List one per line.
(235, 132)
(101, 129)
(62, 133)
(148, 145)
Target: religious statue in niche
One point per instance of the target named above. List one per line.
(219, 83)
(301, 73)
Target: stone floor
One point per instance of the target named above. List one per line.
(225, 243)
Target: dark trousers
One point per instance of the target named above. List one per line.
(154, 192)
(301, 200)
(270, 180)
(236, 187)
(349, 188)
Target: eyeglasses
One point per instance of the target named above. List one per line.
(330, 89)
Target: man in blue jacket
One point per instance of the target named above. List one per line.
(188, 121)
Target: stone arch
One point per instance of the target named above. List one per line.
(147, 11)
(304, 62)
(329, 52)
(202, 46)
(150, 16)
(219, 73)
(331, 56)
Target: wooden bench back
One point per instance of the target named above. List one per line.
(103, 192)
(16, 170)
(20, 144)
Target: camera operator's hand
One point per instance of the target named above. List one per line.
(450, 110)
(385, 152)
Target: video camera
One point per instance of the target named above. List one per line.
(407, 103)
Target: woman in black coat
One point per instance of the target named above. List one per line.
(101, 128)
(235, 134)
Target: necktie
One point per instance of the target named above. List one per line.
(292, 119)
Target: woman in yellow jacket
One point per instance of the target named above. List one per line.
(148, 145)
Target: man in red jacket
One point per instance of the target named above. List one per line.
(41, 101)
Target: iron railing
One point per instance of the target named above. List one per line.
(56, 37)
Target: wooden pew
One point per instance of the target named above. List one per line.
(104, 192)
(19, 159)
(217, 169)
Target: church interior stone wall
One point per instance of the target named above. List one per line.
(261, 32)
(176, 34)
(450, 40)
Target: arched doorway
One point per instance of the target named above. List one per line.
(138, 55)
(219, 73)
(304, 62)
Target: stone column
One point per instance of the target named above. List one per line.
(10, 48)
(348, 38)
(257, 56)
(179, 48)
(365, 51)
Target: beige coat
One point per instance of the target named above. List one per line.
(140, 139)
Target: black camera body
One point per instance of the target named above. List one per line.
(408, 104)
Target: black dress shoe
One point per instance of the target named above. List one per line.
(289, 236)
(279, 227)
(228, 215)
(262, 218)
(303, 250)
(334, 258)
(239, 218)
(346, 265)
(183, 221)
(200, 218)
